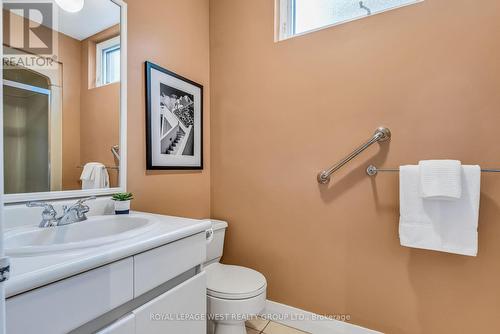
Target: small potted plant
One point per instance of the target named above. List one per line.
(122, 203)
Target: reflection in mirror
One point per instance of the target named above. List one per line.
(61, 104)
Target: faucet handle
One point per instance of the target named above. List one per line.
(83, 200)
(82, 208)
(46, 206)
(48, 215)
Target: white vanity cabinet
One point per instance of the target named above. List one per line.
(125, 325)
(64, 305)
(180, 310)
(161, 290)
(161, 264)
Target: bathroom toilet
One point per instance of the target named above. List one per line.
(234, 293)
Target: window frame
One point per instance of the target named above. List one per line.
(102, 50)
(286, 15)
(286, 19)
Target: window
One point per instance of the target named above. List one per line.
(300, 16)
(108, 61)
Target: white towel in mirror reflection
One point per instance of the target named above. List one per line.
(94, 176)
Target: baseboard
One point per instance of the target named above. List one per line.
(310, 322)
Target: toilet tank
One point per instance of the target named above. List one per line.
(216, 245)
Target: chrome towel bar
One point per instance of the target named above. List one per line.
(373, 170)
(107, 167)
(381, 134)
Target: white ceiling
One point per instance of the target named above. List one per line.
(95, 16)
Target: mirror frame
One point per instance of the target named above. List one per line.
(55, 195)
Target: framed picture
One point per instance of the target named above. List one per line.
(174, 120)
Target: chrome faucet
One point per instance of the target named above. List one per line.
(48, 215)
(75, 213)
(72, 214)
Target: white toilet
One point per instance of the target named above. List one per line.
(234, 293)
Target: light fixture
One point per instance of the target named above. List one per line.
(71, 6)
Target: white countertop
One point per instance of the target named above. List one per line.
(31, 272)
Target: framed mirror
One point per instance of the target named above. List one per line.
(65, 98)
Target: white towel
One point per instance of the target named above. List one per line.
(441, 179)
(447, 226)
(94, 176)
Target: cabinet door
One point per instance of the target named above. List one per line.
(159, 265)
(180, 310)
(60, 307)
(125, 325)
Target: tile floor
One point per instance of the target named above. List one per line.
(262, 326)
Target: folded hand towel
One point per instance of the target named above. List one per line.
(94, 176)
(447, 226)
(440, 179)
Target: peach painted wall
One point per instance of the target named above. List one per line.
(173, 34)
(69, 53)
(283, 111)
(100, 127)
(100, 110)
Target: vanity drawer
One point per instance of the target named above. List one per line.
(125, 325)
(180, 310)
(65, 305)
(159, 265)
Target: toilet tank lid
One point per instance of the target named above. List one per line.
(217, 224)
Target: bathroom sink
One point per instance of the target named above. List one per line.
(95, 231)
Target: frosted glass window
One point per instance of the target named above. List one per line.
(108, 61)
(301, 16)
(111, 69)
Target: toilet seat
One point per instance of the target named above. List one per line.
(234, 282)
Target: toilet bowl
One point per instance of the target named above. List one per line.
(234, 294)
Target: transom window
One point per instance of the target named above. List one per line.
(300, 16)
(108, 61)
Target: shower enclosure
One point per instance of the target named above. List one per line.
(26, 124)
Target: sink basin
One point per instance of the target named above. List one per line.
(95, 231)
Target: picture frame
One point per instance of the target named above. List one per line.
(174, 120)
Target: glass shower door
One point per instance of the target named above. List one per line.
(26, 138)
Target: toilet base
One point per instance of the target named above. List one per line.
(229, 327)
(228, 315)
